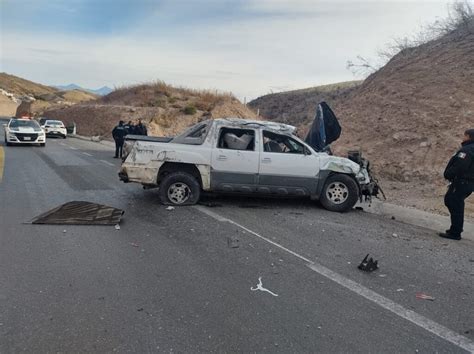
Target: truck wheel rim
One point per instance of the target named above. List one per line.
(337, 192)
(178, 193)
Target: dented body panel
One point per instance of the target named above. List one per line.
(256, 169)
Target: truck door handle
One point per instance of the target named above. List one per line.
(266, 160)
(222, 157)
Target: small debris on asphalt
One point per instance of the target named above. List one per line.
(394, 218)
(423, 296)
(64, 231)
(382, 275)
(210, 204)
(233, 242)
(140, 309)
(399, 290)
(117, 227)
(368, 264)
(170, 208)
(394, 235)
(134, 244)
(261, 288)
(359, 208)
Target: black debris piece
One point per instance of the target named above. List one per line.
(233, 242)
(368, 264)
(80, 213)
(210, 204)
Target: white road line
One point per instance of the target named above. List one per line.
(409, 315)
(107, 163)
(86, 153)
(223, 219)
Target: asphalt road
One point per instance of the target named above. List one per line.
(184, 289)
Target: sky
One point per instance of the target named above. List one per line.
(248, 47)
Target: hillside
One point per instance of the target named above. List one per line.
(298, 106)
(20, 87)
(165, 109)
(408, 117)
(20, 96)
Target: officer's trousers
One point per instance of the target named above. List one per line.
(457, 192)
(118, 147)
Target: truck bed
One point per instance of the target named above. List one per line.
(157, 139)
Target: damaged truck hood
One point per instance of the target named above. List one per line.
(339, 164)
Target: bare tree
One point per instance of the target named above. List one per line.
(460, 21)
(361, 66)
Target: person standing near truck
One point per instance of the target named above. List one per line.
(119, 133)
(140, 128)
(130, 128)
(460, 172)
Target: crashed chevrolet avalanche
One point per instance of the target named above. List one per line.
(248, 157)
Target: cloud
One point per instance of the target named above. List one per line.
(248, 49)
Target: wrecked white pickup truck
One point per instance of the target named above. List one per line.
(244, 156)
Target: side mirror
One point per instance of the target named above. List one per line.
(307, 151)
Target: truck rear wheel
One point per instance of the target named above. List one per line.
(179, 188)
(340, 193)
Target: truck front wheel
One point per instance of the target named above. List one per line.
(340, 193)
(179, 188)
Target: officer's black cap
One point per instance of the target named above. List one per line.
(470, 133)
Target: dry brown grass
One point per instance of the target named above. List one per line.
(19, 86)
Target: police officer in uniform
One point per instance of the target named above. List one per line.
(460, 172)
(119, 133)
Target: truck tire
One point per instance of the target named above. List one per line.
(179, 188)
(340, 193)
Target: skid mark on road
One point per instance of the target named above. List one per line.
(87, 154)
(2, 163)
(409, 315)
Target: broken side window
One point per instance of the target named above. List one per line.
(195, 135)
(278, 143)
(236, 139)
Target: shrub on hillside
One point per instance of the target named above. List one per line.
(190, 110)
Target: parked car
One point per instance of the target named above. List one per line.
(244, 156)
(54, 128)
(24, 131)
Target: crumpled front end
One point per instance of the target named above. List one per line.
(356, 166)
(368, 184)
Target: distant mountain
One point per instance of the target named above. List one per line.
(105, 90)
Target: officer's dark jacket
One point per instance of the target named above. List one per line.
(140, 129)
(119, 132)
(461, 165)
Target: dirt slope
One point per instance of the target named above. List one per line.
(20, 96)
(18, 86)
(408, 117)
(165, 109)
(297, 107)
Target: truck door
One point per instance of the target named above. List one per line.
(235, 159)
(287, 166)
